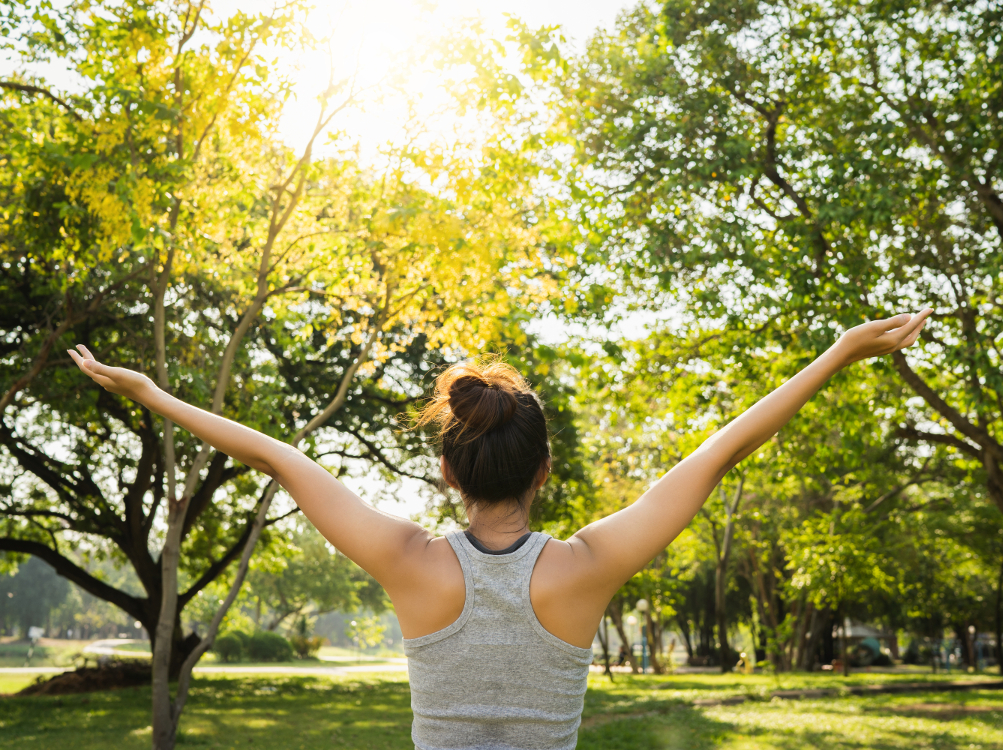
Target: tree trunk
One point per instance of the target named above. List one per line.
(721, 575)
(654, 642)
(999, 618)
(844, 656)
(603, 634)
(684, 631)
(720, 583)
(809, 640)
(616, 614)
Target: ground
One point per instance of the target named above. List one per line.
(372, 712)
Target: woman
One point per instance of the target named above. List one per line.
(498, 621)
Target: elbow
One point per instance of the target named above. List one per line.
(264, 467)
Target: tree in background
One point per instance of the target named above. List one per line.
(307, 578)
(28, 598)
(305, 297)
(791, 169)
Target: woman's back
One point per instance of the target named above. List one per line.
(495, 678)
(491, 667)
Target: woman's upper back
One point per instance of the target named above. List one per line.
(430, 593)
(495, 677)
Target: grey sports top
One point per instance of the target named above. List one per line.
(496, 679)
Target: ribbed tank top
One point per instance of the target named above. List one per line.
(496, 679)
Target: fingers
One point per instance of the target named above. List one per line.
(76, 358)
(85, 360)
(891, 324)
(89, 367)
(915, 325)
(911, 338)
(85, 352)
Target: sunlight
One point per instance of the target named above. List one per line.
(382, 44)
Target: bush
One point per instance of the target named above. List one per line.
(882, 660)
(245, 638)
(229, 647)
(266, 646)
(306, 646)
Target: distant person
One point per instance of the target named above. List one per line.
(498, 620)
(623, 656)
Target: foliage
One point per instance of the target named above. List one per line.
(266, 646)
(155, 199)
(307, 575)
(366, 631)
(28, 597)
(229, 647)
(302, 642)
(787, 170)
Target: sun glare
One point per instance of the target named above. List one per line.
(381, 44)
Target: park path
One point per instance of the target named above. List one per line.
(339, 668)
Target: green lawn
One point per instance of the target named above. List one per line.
(53, 653)
(372, 711)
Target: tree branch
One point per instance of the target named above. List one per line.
(29, 89)
(974, 433)
(73, 572)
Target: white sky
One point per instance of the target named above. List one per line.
(377, 37)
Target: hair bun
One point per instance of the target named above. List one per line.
(481, 405)
(492, 430)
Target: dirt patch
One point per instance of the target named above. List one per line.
(122, 674)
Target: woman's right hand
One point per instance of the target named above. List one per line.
(118, 380)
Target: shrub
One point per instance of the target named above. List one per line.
(229, 647)
(266, 646)
(882, 660)
(245, 638)
(306, 646)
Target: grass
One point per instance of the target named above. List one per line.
(48, 653)
(372, 712)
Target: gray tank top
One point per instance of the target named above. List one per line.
(496, 679)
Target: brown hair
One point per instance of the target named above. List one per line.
(492, 430)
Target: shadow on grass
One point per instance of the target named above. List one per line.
(292, 713)
(905, 739)
(680, 728)
(854, 724)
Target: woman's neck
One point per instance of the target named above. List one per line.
(498, 526)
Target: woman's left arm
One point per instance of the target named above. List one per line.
(616, 547)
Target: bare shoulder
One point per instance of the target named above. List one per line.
(427, 589)
(564, 594)
(424, 556)
(563, 564)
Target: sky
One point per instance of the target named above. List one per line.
(373, 40)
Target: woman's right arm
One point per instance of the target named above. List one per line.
(384, 545)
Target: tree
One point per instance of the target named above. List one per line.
(28, 597)
(308, 578)
(304, 297)
(794, 168)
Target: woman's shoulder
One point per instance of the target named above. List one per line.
(430, 593)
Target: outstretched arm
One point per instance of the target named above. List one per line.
(376, 541)
(611, 550)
